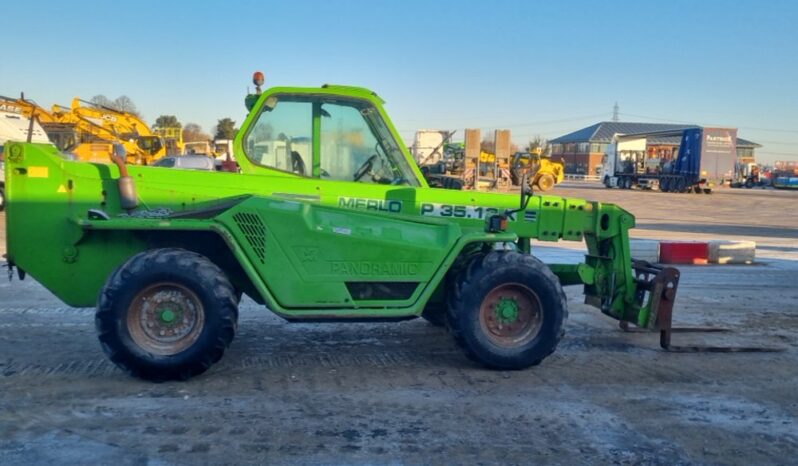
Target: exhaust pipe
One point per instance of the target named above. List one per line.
(128, 199)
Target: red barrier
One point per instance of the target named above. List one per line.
(682, 252)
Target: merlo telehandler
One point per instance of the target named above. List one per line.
(329, 220)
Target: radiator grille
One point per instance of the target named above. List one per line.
(254, 231)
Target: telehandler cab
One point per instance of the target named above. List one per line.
(329, 220)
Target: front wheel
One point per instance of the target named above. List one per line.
(507, 310)
(545, 182)
(166, 314)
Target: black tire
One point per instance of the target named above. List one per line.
(680, 185)
(749, 183)
(664, 185)
(607, 182)
(546, 182)
(502, 274)
(198, 306)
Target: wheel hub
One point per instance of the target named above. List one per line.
(511, 315)
(507, 310)
(165, 318)
(168, 316)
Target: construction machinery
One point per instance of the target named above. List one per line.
(352, 233)
(541, 172)
(62, 135)
(172, 139)
(90, 132)
(99, 127)
(464, 166)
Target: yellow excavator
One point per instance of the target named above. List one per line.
(89, 132)
(98, 127)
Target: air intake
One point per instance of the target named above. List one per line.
(254, 231)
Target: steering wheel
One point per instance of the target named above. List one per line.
(366, 167)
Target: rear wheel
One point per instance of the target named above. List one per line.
(680, 184)
(545, 182)
(166, 314)
(664, 185)
(507, 310)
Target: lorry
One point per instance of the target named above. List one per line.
(356, 235)
(706, 159)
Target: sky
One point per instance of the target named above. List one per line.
(538, 68)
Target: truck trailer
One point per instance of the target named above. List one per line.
(706, 158)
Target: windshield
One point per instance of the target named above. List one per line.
(394, 163)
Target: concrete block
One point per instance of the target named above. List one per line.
(645, 250)
(732, 252)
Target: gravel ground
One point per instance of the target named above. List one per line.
(404, 394)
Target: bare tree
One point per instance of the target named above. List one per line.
(124, 103)
(192, 132)
(539, 143)
(102, 101)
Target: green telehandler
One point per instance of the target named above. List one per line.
(329, 220)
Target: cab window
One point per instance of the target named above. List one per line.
(354, 142)
(281, 137)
